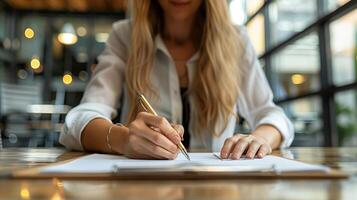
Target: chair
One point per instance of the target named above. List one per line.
(16, 126)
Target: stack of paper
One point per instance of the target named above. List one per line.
(101, 163)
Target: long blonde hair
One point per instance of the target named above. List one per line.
(214, 88)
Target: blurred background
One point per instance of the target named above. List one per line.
(307, 49)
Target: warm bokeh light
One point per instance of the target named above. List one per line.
(83, 75)
(29, 33)
(81, 31)
(56, 196)
(67, 38)
(25, 193)
(56, 182)
(101, 37)
(35, 63)
(67, 79)
(297, 79)
(22, 74)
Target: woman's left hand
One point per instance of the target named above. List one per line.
(250, 145)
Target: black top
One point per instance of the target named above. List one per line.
(185, 117)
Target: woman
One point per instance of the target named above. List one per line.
(196, 69)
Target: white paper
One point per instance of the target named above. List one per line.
(102, 163)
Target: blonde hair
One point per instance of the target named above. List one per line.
(214, 89)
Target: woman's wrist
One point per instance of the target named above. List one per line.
(269, 134)
(118, 139)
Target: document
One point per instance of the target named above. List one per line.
(103, 163)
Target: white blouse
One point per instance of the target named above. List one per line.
(101, 97)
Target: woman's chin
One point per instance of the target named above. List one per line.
(181, 16)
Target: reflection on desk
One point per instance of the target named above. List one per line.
(341, 158)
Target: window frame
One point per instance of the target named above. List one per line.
(328, 90)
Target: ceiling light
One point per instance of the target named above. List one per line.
(68, 35)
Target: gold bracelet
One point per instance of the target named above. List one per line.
(108, 135)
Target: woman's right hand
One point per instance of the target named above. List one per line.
(152, 137)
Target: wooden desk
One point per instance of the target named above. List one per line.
(344, 159)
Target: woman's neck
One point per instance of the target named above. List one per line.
(178, 31)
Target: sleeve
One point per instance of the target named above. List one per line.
(100, 98)
(255, 101)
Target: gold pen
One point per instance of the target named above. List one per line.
(147, 107)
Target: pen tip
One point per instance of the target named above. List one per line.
(188, 157)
